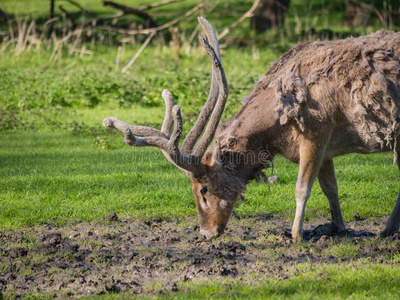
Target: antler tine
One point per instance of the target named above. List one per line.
(168, 120)
(133, 140)
(137, 130)
(144, 130)
(208, 107)
(211, 35)
(212, 125)
(169, 144)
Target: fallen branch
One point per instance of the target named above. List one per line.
(372, 8)
(118, 58)
(84, 10)
(158, 4)
(21, 36)
(68, 15)
(132, 11)
(7, 43)
(27, 36)
(51, 13)
(94, 21)
(55, 19)
(70, 66)
(154, 29)
(248, 14)
(140, 51)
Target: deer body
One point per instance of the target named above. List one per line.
(318, 101)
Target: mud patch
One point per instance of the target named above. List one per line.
(121, 254)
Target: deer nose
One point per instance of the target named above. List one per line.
(209, 234)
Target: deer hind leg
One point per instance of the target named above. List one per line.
(393, 223)
(310, 161)
(327, 181)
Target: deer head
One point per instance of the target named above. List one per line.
(215, 188)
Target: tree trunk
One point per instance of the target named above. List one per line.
(51, 15)
(51, 12)
(269, 14)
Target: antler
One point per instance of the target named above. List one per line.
(197, 130)
(186, 159)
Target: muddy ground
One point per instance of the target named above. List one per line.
(155, 256)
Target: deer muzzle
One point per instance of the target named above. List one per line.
(209, 235)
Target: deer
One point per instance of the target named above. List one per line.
(319, 100)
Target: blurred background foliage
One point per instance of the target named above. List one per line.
(70, 53)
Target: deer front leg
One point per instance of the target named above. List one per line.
(327, 181)
(310, 162)
(393, 223)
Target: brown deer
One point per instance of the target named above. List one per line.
(318, 101)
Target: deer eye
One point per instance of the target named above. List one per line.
(203, 191)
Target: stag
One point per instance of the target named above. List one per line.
(318, 101)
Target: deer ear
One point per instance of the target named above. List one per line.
(232, 142)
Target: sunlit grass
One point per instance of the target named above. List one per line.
(59, 175)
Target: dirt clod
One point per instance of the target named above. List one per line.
(112, 217)
(17, 252)
(357, 216)
(51, 239)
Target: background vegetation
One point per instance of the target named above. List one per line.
(57, 163)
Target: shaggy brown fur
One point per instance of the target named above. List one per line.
(318, 101)
(357, 77)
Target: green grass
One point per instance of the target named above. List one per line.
(60, 175)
